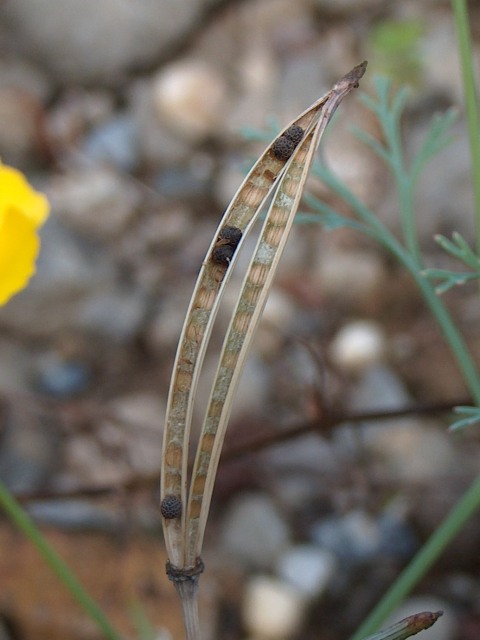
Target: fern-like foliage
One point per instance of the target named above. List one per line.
(388, 111)
(471, 416)
(459, 248)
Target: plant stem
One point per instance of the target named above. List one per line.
(188, 592)
(27, 526)
(457, 344)
(462, 26)
(424, 559)
(380, 232)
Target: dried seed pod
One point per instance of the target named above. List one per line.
(171, 507)
(283, 148)
(229, 235)
(222, 254)
(294, 133)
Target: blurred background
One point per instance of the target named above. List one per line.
(137, 120)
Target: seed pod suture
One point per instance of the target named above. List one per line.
(171, 507)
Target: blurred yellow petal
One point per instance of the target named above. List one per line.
(22, 211)
(15, 190)
(19, 246)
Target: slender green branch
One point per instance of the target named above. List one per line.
(389, 118)
(452, 335)
(462, 25)
(25, 523)
(431, 550)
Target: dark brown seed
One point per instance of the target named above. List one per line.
(230, 235)
(171, 507)
(294, 133)
(223, 254)
(283, 148)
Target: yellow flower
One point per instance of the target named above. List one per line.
(22, 211)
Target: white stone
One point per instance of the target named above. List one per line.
(96, 202)
(190, 96)
(307, 568)
(272, 610)
(358, 345)
(254, 531)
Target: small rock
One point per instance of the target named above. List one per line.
(76, 111)
(378, 388)
(352, 276)
(118, 313)
(307, 568)
(272, 610)
(20, 115)
(358, 345)
(29, 449)
(354, 538)
(75, 515)
(397, 538)
(190, 181)
(253, 531)
(298, 468)
(127, 443)
(97, 41)
(97, 202)
(15, 367)
(62, 377)
(191, 96)
(16, 72)
(114, 142)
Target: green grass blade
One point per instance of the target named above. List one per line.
(462, 25)
(18, 515)
(144, 627)
(424, 559)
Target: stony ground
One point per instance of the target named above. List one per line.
(137, 120)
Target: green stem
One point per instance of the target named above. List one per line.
(18, 515)
(404, 191)
(462, 25)
(457, 345)
(455, 341)
(416, 569)
(452, 335)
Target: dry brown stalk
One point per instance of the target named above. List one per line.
(283, 168)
